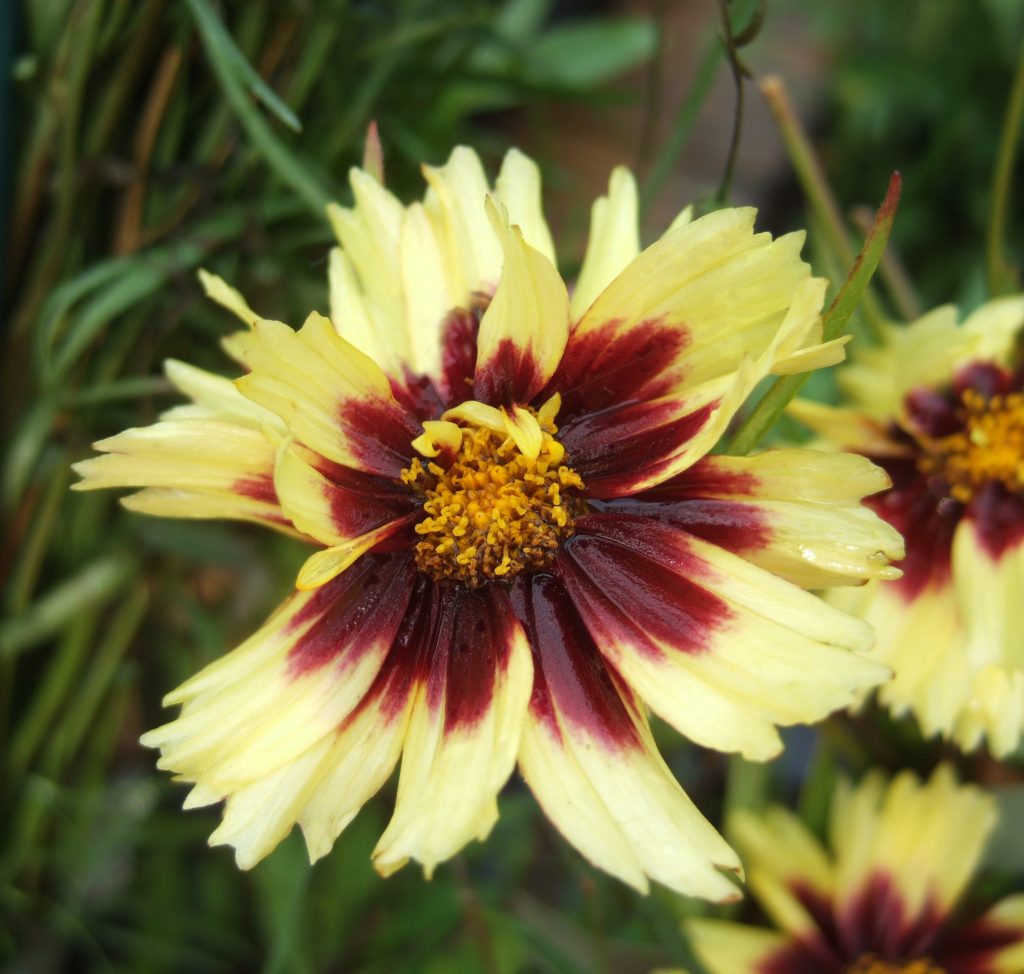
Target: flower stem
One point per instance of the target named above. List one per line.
(834, 323)
(815, 185)
(1001, 276)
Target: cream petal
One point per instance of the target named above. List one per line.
(217, 289)
(524, 329)
(927, 837)
(727, 289)
(795, 513)
(456, 201)
(197, 468)
(264, 726)
(518, 189)
(782, 857)
(588, 756)
(725, 947)
(338, 506)
(332, 397)
(685, 621)
(613, 243)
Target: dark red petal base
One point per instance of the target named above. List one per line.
(875, 923)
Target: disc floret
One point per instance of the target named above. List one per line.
(989, 448)
(497, 497)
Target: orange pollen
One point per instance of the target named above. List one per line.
(989, 448)
(871, 964)
(494, 512)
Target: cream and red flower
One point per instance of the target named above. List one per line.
(885, 897)
(941, 408)
(523, 540)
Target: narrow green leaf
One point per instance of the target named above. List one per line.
(289, 167)
(115, 640)
(84, 591)
(864, 267)
(223, 50)
(775, 400)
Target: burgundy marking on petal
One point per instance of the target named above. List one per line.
(731, 525)
(458, 352)
(470, 650)
(379, 433)
(975, 947)
(261, 488)
(875, 921)
(512, 374)
(819, 908)
(361, 501)
(608, 367)
(570, 676)
(704, 479)
(919, 508)
(932, 413)
(352, 614)
(418, 394)
(634, 580)
(998, 516)
(988, 378)
(615, 449)
(803, 955)
(405, 662)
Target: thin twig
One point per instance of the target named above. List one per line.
(1001, 276)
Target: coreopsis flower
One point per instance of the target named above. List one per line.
(522, 538)
(886, 895)
(941, 408)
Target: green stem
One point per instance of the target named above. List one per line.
(834, 324)
(1001, 276)
(815, 187)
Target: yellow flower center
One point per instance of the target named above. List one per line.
(989, 448)
(498, 500)
(870, 964)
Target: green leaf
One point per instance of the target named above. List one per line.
(583, 54)
(97, 582)
(223, 50)
(293, 170)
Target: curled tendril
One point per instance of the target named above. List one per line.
(732, 42)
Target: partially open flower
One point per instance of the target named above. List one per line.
(523, 539)
(941, 408)
(885, 897)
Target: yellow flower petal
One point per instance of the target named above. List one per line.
(731, 948)
(332, 397)
(198, 468)
(518, 189)
(217, 289)
(525, 327)
(614, 240)
(325, 565)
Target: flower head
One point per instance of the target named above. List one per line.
(522, 540)
(941, 408)
(883, 898)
